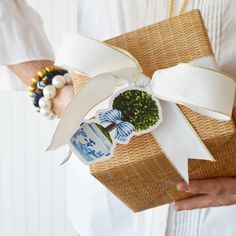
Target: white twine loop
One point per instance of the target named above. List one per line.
(142, 81)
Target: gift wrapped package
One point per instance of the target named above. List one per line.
(139, 173)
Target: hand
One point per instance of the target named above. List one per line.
(62, 100)
(234, 115)
(214, 192)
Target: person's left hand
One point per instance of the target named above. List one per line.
(62, 99)
(213, 192)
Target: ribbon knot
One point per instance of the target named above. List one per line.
(123, 128)
(142, 80)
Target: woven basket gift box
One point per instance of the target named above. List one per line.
(139, 173)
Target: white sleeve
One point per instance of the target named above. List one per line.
(22, 37)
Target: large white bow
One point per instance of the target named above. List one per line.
(204, 90)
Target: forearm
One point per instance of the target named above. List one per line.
(26, 70)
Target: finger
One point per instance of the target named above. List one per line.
(217, 186)
(234, 115)
(197, 202)
(204, 201)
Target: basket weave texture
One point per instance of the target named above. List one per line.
(139, 174)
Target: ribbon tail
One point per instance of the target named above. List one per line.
(67, 158)
(97, 90)
(178, 140)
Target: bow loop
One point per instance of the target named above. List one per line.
(124, 129)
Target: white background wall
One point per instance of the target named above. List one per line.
(32, 186)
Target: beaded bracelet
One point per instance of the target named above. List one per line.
(44, 87)
(49, 92)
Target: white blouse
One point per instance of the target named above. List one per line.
(22, 38)
(102, 19)
(93, 210)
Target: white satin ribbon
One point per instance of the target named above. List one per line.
(196, 87)
(100, 59)
(206, 91)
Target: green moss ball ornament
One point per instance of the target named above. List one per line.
(137, 107)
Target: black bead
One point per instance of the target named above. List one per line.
(56, 72)
(62, 72)
(48, 78)
(36, 99)
(36, 103)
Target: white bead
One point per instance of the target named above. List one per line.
(51, 116)
(49, 92)
(58, 81)
(45, 103)
(45, 112)
(68, 78)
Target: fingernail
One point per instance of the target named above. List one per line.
(182, 187)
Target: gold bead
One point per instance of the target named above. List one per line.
(50, 68)
(34, 84)
(31, 94)
(44, 79)
(32, 87)
(42, 73)
(58, 68)
(38, 91)
(35, 80)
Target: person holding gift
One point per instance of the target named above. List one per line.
(98, 212)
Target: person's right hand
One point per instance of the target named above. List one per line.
(62, 99)
(234, 115)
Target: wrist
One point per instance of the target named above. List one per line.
(26, 70)
(45, 86)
